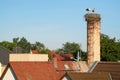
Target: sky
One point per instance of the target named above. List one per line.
(55, 22)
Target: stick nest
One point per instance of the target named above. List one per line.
(91, 18)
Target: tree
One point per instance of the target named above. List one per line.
(38, 46)
(71, 47)
(7, 45)
(23, 44)
(110, 48)
(15, 40)
(27, 46)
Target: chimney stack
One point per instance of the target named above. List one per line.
(93, 37)
(54, 60)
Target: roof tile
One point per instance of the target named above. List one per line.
(67, 65)
(34, 70)
(89, 76)
(112, 67)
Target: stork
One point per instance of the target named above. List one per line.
(90, 10)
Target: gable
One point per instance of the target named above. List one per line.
(9, 75)
(66, 77)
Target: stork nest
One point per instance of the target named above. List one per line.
(91, 18)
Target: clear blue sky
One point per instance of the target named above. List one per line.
(54, 22)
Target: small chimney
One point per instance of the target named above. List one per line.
(93, 37)
(54, 60)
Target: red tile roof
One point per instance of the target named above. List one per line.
(67, 66)
(61, 57)
(35, 51)
(34, 71)
(60, 74)
(64, 57)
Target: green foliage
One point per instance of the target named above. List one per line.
(38, 46)
(7, 45)
(71, 47)
(110, 48)
(22, 43)
(82, 55)
(23, 46)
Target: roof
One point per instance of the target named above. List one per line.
(67, 65)
(89, 76)
(35, 51)
(41, 70)
(112, 67)
(33, 71)
(4, 55)
(62, 57)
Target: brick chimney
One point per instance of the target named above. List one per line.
(93, 37)
(54, 60)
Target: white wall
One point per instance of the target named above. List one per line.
(9, 75)
(66, 78)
